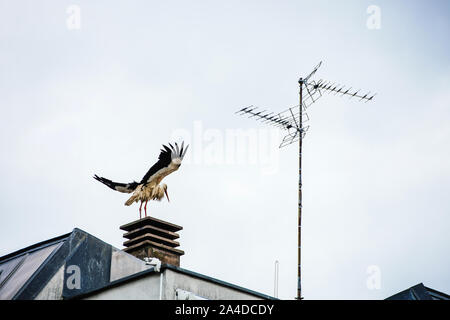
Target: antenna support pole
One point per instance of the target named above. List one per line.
(299, 284)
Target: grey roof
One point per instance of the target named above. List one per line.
(18, 269)
(419, 292)
(25, 273)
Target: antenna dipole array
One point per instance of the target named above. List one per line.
(285, 120)
(332, 87)
(290, 119)
(293, 121)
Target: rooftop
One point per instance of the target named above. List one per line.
(41, 271)
(419, 292)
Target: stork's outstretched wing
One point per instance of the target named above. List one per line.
(121, 187)
(169, 161)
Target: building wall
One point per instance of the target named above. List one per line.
(124, 264)
(173, 280)
(146, 288)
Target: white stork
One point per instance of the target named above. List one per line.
(150, 188)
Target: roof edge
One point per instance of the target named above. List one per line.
(114, 284)
(35, 246)
(434, 291)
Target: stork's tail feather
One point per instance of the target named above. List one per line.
(133, 198)
(121, 187)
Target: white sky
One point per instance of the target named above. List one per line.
(102, 99)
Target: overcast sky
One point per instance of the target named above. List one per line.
(99, 92)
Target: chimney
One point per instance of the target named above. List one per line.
(151, 237)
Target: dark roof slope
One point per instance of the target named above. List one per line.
(24, 273)
(419, 292)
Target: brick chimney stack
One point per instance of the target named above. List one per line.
(151, 237)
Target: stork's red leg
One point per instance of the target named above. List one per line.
(145, 208)
(140, 211)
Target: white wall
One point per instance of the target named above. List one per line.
(174, 280)
(148, 287)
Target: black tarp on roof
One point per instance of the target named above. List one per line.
(419, 292)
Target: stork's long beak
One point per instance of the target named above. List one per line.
(167, 196)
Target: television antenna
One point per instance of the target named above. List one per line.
(293, 120)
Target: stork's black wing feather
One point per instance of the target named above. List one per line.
(164, 160)
(121, 187)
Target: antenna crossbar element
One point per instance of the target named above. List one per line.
(329, 87)
(283, 120)
(286, 120)
(312, 72)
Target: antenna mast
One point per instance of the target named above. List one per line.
(300, 142)
(293, 122)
